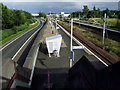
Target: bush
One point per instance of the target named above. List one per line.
(101, 21)
(29, 21)
(6, 32)
(118, 23)
(20, 28)
(64, 19)
(90, 20)
(107, 48)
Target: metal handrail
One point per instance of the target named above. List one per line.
(14, 77)
(83, 76)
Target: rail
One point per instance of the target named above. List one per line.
(14, 77)
(79, 43)
(94, 26)
(83, 77)
(93, 49)
(97, 52)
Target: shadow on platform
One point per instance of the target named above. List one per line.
(108, 77)
(57, 78)
(43, 48)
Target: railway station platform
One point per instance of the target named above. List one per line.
(55, 72)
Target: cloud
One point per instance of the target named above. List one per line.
(60, 0)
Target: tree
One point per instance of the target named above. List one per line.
(119, 14)
(94, 8)
(94, 12)
(11, 18)
(107, 11)
(90, 14)
(85, 11)
(28, 15)
(17, 21)
(22, 17)
(98, 13)
(5, 17)
(41, 14)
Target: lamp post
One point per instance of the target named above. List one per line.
(56, 24)
(79, 16)
(73, 47)
(104, 28)
(71, 50)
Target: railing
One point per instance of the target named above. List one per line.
(83, 77)
(14, 77)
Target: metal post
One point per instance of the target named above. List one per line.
(104, 28)
(56, 24)
(79, 16)
(71, 41)
(70, 19)
(71, 33)
(50, 16)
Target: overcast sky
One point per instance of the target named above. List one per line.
(60, 0)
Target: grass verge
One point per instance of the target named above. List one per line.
(18, 33)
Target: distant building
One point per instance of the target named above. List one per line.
(61, 14)
(33, 14)
(64, 15)
(119, 5)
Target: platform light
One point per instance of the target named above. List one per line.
(71, 50)
(104, 28)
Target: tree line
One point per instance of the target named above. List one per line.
(12, 18)
(95, 13)
(14, 22)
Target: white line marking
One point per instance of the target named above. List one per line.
(17, 38)
(24, 44)
(82, 45)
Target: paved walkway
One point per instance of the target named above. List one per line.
(56, 66)
(50, 31)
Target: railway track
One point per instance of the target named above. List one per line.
(104, 55)
(111, 34)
